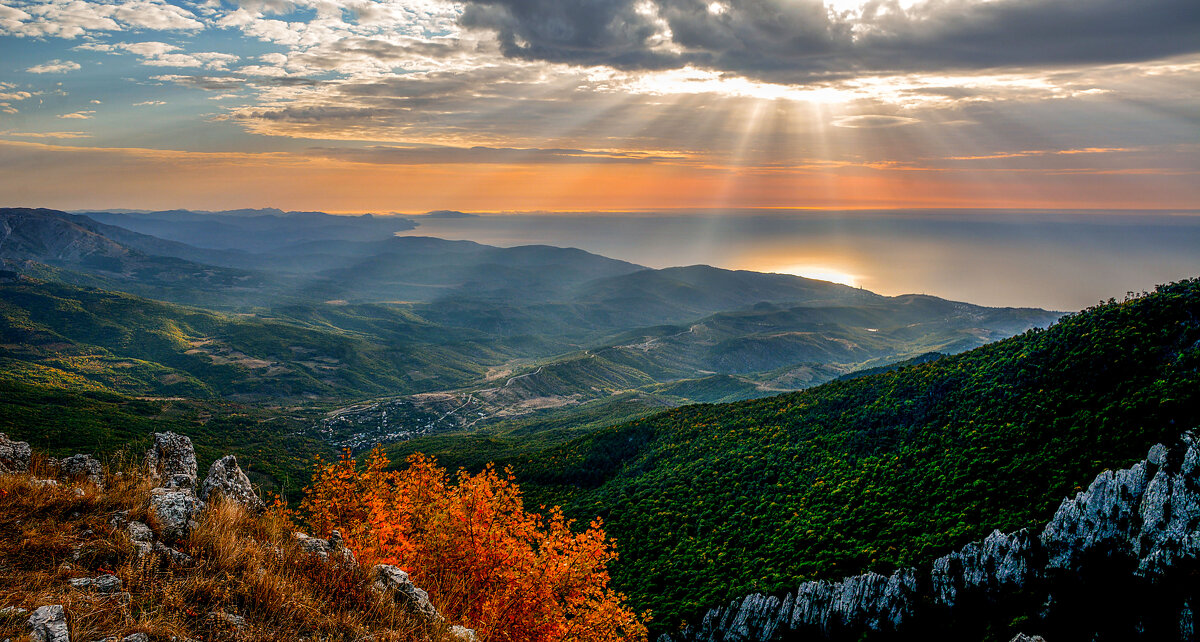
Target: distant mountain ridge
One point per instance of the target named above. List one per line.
(419, 338)
(252, 230)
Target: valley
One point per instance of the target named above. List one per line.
(737, 432)
(384, 339)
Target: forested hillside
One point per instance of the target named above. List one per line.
(710, 502)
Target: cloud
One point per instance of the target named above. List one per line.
(79, 115)
(803, 40)
(161, 54)
(58, 135)
(872, 121)
(150, 103)
(422, 155)
(14, 95)
(71, 19)
(54, 67)
(205, 82)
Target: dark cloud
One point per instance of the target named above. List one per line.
(586, 32)
(798, 40)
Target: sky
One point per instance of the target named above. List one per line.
(599, 105)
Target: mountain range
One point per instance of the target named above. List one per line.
(400, 329)
(739, 433)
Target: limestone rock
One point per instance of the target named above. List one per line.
(136, 637)
(392, 581)
(48, 624)
(870, 601)
(999, 562)
(326, 549)
(14, 455)
(171, 461)
(104, 584)
(463, 634)
(173, 512)
(139, 532)
(229, 619)
(1148, 513)
(1170, 512)
(178, 558)
(83, 466)
(1101, 517)
(226, 478)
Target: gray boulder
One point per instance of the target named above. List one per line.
(104, 584)
(326, 549)
(178, 558)
(48, 624)
(83, 467)
(139, 532)
(226, 478)
(14, 455)
(173, 512)
(395, 583)
(171, 461)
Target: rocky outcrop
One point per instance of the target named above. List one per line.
(392, 581)
(326, 549)
(103, 584)
(171, 461)
(463, 634)
(872, 601)
(14, 455)
(82, 467)
(173, 506)
(226, 478)
(1150, 513)
(1000, 562)
(1144, 519)
(48, 624)
(173, 512)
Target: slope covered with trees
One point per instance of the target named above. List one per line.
(710, 502)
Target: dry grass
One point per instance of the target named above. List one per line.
(245, 565)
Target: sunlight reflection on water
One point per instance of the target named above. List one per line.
(1055, 260)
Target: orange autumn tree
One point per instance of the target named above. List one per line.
(512, 575)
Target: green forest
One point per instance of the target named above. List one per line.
(710, 502)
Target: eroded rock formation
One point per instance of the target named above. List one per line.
(226, 478)
(1137, 525)
(14, 455)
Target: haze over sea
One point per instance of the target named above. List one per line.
(1061, 260)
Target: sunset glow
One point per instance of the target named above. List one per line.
(821, 273)
(380, 105)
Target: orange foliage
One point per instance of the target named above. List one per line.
(512, 575)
